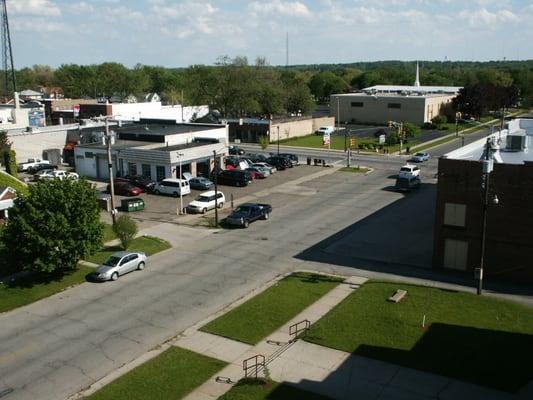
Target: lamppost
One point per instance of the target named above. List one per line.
(216, 186)
(487, 167)
(110, 168)
(180, 211)
(278, 139)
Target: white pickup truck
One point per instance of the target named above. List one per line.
(21, 167)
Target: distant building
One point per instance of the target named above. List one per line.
(381, 103)
(509, 223)
(31, 95)
(7, 195)
(155, 150)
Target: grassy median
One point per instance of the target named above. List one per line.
(260, 389)
(171, 375)
(269, 310)
(32, 288)
(146, 244)
(473, 338)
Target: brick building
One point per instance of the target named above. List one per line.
(509, 222)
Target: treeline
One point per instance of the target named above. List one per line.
(237, 87)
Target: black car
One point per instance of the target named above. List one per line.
(293, 158)
(142, 182)
(236, 150)
(257, 158)
(41, 167)
(280, 163)
(248, 212)
(407, 184)
(235, 177)
(233, 161)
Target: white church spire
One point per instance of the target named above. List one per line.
(417, 79)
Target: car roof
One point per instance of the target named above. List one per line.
(122, 253)
(174, 180)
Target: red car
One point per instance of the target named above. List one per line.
(123, 188)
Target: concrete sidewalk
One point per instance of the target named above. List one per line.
(323, 370)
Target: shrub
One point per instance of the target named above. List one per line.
(263, 141)
(429, 125)
(125, 228)
(10, 161)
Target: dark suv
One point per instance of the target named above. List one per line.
(280, 162)
(142, 182)
(234, 177)
(293, 158)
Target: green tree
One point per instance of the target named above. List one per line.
(5, 145)
(438, 120)
(263, 142)
(10, 162)
(410, 130)
(52, 227)
(326, 83)
(125, 228)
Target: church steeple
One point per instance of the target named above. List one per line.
(417, 79)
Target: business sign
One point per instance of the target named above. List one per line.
(36, 118)
(76, 110)
(326, 138)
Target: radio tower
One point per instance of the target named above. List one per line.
(7, 55)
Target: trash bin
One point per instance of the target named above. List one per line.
(315, 161)
(308, 160)
(104, 201)
(130, 205)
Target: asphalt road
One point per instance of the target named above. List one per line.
(57, 346)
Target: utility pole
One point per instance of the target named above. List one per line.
(7, 53)
(182, 121)
(278, 139)
(486, 170)
(181, 187)
(110, 166)
(216, 186)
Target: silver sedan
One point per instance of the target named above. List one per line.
(119, 263)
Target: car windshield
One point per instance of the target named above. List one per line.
(112, 261)
(202, 198)
(243, 210)
(405, 169)
(419, 155)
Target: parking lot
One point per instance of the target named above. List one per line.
(159, 208)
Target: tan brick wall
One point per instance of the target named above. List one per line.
(297, 128)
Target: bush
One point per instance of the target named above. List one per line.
(125, 228)
(10, 161)
(439, 120)
(429, 125)
(410, 130)
(263, 141)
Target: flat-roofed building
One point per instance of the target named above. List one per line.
(509, 216)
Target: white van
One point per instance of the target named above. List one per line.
(206, 201)
(173, 187)
(325, 130)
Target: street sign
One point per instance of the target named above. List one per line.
(326, 138)
(381, 139)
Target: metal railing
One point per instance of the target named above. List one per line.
(299, 327)
(251, 366)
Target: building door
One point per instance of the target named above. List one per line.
(455, 254)
(103, 168)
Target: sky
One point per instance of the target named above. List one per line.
(176, 33)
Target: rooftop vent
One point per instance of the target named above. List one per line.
(516, 141)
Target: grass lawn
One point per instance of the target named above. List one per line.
(27, 290)
(472, 338)
(259, 389)
(171, 375)
(108, 233)
(147, 244)
(269, 310)
(357, 170)
(337, 142)
(14, 183)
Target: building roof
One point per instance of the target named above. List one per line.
(29, 92)
(165, 129)
(500, 152)
(412, 89)
(393, 95)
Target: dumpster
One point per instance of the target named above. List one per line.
(130, 205)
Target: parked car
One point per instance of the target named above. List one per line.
(233, 161)
(41, 167)
(119, 263)
(173, 187)
(271, 169)
(420, 157)
(246, 213)
(200, 183)
(142, 182)
(280, 163)
(123, 188)
(257, 158)
(205, 202)
(236, 150)
(234, 177)
(31, 162)
(325, 130)
(293, 158)
(57, 174)
(408, 171)
(257, 173)
(407, 184)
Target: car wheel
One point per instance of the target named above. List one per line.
(157, 191)
(265, 216)
(245, 224)
(220, 205)
(114, 277)
(204, 210)
(141, 266)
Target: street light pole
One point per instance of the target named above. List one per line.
(110, 166)
(278, 139)
(216, 186)
(487, 169)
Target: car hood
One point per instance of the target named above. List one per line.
(198, 204)
(236, 215)
(102, 269)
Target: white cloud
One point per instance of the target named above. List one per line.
(293, 9)
(484, 18)
(43, 8)
(35, 25)
(81, 7)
